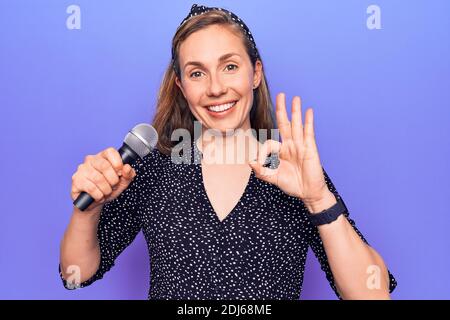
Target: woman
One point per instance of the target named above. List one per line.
(221, 230)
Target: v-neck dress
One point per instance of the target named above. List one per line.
(257, 252)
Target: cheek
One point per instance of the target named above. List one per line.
(245, 88)
(242, 83)
(193, 93)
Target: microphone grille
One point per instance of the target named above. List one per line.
(142, 139)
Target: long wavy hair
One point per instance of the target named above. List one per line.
(173, 111)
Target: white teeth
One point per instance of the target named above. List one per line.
(221, 107)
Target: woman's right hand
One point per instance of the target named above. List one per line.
(103, 176)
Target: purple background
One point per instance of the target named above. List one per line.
(382, 112)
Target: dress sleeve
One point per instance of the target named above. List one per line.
(317, 246)
(118, 226)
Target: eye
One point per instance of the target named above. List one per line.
(233, 65)
(195, 72)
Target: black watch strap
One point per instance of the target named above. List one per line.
(329, 215)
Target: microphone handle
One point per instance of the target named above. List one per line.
(84, 200)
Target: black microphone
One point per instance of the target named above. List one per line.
(139, 142)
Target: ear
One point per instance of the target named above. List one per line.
(178, 83)
(257, 75)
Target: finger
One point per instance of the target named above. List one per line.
(98, 179)
(104, 166)
(282, 119)
(297, 126)
(113, 156)
(88, 187)
(266, 174)
(128, 172)
(125, 179)
(309, 126)
(268, 147)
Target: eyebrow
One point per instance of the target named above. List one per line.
(222, 58)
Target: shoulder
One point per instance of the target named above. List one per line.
(150, 165)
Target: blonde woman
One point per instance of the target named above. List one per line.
(221, 230)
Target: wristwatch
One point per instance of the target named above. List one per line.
(329, 215)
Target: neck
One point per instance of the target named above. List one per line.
(234, 146)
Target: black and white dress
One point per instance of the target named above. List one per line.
(257, 252)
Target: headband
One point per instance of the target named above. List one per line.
(198, 10)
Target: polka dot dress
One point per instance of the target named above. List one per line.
(257, 252)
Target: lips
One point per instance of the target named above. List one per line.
(220, 103)
(221, 109)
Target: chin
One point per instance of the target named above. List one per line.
(223, 127)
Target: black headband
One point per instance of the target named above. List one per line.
(198, 10)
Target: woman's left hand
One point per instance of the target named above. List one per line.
(299, 172)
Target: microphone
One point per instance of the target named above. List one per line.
(138, 142)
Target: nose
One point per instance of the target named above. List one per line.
(216, 86)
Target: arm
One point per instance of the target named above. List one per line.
(79, 246)
(350, 259)
(342, 251)
(85, 253)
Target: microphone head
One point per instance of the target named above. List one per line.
(142, 139)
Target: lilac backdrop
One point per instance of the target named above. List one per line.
(381, 100)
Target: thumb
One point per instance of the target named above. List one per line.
(125, 179)
(264, 173)
(128, 174)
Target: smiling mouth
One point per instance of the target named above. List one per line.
(222, 108)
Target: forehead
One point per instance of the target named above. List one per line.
(209, 44)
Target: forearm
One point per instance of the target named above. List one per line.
(352, 261)
(79, 246)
